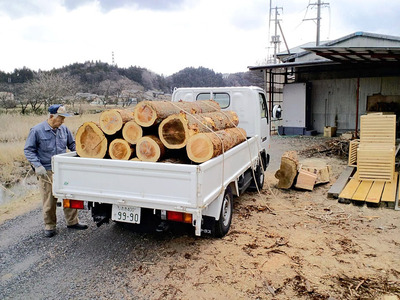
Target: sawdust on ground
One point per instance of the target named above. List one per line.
(283, 244)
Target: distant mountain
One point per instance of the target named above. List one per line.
(91, 74)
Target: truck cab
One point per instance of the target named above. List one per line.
(249, 103)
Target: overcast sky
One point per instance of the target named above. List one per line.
(166, 36)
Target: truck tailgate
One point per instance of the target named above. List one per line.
(144, 184)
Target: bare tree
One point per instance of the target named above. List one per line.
(48, 88)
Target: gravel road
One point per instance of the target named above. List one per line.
(90, 264)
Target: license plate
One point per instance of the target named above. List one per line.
(127, 214)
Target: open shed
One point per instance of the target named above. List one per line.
(335, 83)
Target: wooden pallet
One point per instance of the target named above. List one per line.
(353, 153)
(377, 128)
(376, 162)
(371, 192)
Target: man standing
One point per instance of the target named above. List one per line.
(46, 139)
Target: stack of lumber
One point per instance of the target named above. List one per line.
(157, 130)
(303, 174)
(373, 155)
(376, 151)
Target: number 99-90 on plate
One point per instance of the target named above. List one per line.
(127, 214)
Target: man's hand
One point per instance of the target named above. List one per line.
(40, 171)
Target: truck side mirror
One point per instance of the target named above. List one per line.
(277, 111)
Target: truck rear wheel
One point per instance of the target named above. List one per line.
(258, 180)
(225, 217)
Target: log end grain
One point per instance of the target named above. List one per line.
(199, 148)
(144, 114)
(173, 131)
(150, 148)
(132, 132)
(91, 141)
(110, 121)
(120, 149)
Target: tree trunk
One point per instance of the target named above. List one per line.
(112, 120)
(204, 146)
(91, 141)
(175, 130)
(288, 169)
(132, 132)
(150, 148)
(147, 113)
(120, 149)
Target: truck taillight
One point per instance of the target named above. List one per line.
(179, 217)
(78, 204)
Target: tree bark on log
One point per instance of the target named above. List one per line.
(120, 149)
(288, 169)
(91, 141)
(148, 113)
(132, 132)
(112, 120)
(175, 130)
(150, 148)
(204, 146)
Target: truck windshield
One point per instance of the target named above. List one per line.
(223, 99)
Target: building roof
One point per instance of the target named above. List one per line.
(358, 54)
(358, 47)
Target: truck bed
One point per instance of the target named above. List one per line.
(165, 186)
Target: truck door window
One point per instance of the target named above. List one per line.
(223, 99)
(263, 106)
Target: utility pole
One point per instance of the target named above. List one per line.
(319, 5)
(275, 38)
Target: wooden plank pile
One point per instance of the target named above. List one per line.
(303, 174)
(375, 180)
(159, 130)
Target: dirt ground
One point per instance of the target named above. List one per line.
(283, 244)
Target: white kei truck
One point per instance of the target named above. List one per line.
(199, 194)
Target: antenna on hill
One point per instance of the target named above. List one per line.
(318, 18)
(113, 62)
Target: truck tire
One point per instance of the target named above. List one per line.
(259, 179)
(225, 217)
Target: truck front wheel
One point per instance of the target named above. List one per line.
(225, 217)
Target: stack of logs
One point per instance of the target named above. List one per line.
(304, 174)
(157, 130)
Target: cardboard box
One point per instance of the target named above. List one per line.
(329, 131)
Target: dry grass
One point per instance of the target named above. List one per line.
(13, 133)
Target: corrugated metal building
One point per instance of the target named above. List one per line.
(335, 83)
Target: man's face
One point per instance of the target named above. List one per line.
(56, 122)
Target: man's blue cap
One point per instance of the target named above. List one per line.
(58, 109)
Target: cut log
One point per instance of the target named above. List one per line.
(148, 113)
(175, 130)
(305, 180)
(204, 146)
(288, 170)
(319, 167)
(120, 149)
(111, 121)
(91, 141)
(150, 148)
(132, 132)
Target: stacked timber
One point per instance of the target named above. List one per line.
(160, 130)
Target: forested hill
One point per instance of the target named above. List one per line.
(91, 77)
